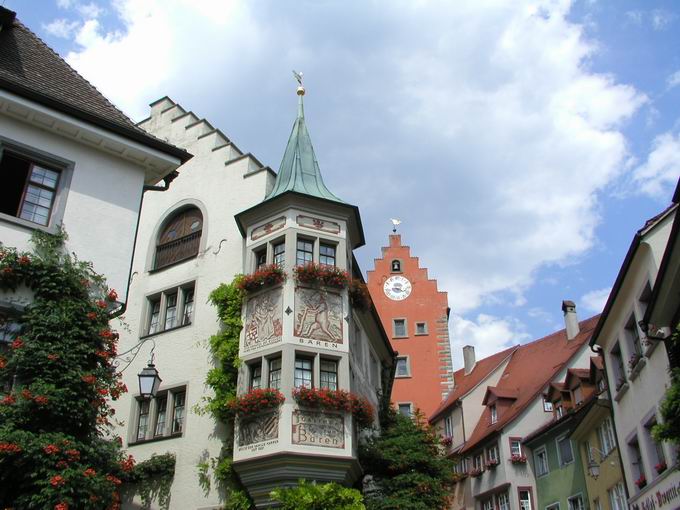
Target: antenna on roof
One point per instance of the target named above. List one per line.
(395, 224)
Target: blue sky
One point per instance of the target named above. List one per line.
(522, 143)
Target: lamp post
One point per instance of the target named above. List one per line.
(149, 380)
(594, 467)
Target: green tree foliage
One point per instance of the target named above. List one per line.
(53, 422)
(407, 464)
(669, 428)
(312, 496)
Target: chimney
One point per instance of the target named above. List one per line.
(469, 358)
(570, 319)
(6, 18)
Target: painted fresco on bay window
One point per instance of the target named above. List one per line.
(263, 321)
(318, 315)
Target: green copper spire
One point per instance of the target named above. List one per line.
(299, 170)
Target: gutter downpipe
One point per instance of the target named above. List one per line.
(167, 180)
(598, 350)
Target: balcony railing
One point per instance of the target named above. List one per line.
(177, 250)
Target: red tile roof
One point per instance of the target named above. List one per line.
(498, 392)
(465, 383)
(531, 367)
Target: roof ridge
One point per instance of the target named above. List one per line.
(75, 72)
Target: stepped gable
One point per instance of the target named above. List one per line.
(464, 383)
(31, 69)
(530, 369)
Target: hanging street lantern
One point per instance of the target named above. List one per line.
(149, 380)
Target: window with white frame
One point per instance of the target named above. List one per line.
(327, 254)
(260, 257)
(575, 503)
(303, 372)
(541, 461)
(255, 376)
(167, 308)
(547, 405)
(492, 453)
(618, 371)
(328, 374)
(525, 500)
(636, 458)
(588, 452)
(304, 253)
(654, 447)
(633, 335)
(403, 368)
(275, 373)
(578, 395)
(279, 254)
(617, 497)
(503, 500)
(487, 504)
(161, 416)
(605, 434)
(515, 447)
(559, 410)
(596, 504)
(448, 426)
(494, 413)
(565, 454)
(478, 462)
(421, 328)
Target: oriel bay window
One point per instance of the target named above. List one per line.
(327, 254)
(280, 254)
(256, 376)
(170, 309)
(305, 252)
(275, 373)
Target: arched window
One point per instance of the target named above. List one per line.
(396, 266)
(180, 238)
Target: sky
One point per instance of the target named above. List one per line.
(521, 143)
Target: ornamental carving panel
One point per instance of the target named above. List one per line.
(257, 429)
(263, 325)
(318, 315)
(318, 224)
(315, 428)
(268, 228)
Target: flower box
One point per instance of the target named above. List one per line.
(660, 467)
(321, 274)
(263, 277)
(475, 473)
(336, 400)
(459, 477)
(255, 401)
(491, 463)
(634, 360)
(641, 482)
(518, 459)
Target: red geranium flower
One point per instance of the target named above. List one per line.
(3, 362)
(101, 304)
(51, 449)
(26, 394)
(61, 506)
(9, 448)
(8, 400)
(73, 454)
(57, 480)
(41, 400)
(112, 295)
(113, 480)
(53, 357)
(89, 472)
(92, 315)
(89, 379)
(18, 343)
(24, 260)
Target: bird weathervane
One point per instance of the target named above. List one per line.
(298, 78)
(395, 224)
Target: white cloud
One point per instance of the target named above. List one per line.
(488, 335)
(673, 80)
(90, 10)
(658, 176)
(595, 300)
(661, 19)
(61, 27)
(488, 133)
(635, 16)
(64, 4)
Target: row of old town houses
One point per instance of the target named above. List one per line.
(170, 207)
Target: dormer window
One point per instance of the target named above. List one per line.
(578, 395)
(396, 266)
(559, 410)
(494, 414)
(180, 238)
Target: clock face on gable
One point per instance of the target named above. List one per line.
(397, 288)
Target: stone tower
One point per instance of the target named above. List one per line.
(415, 315)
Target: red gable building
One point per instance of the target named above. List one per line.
(415, 315)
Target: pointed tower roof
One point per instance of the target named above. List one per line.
(299, 170)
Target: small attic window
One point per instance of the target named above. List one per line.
(396, 266)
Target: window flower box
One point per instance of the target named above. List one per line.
(459, 477)
(476, 473)
(359, 296)
(336, 400)
(266, 276)
(447, 441)
(660, 467)
(518, 459)
(255, 402)
(491, 463)
(621, 388)
(648, 345)
(320, 274)
(636, 367)
(641, 482)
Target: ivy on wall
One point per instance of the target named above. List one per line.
(669, 428)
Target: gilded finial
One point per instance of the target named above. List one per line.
(298, 78)
(395, 224)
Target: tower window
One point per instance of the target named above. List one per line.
(327, 254)
(403, 368)
(399, 326)
(396, 266)
(305, 252)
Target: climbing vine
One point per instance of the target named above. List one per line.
(151, 479)
(223, 379)
(669, 428)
